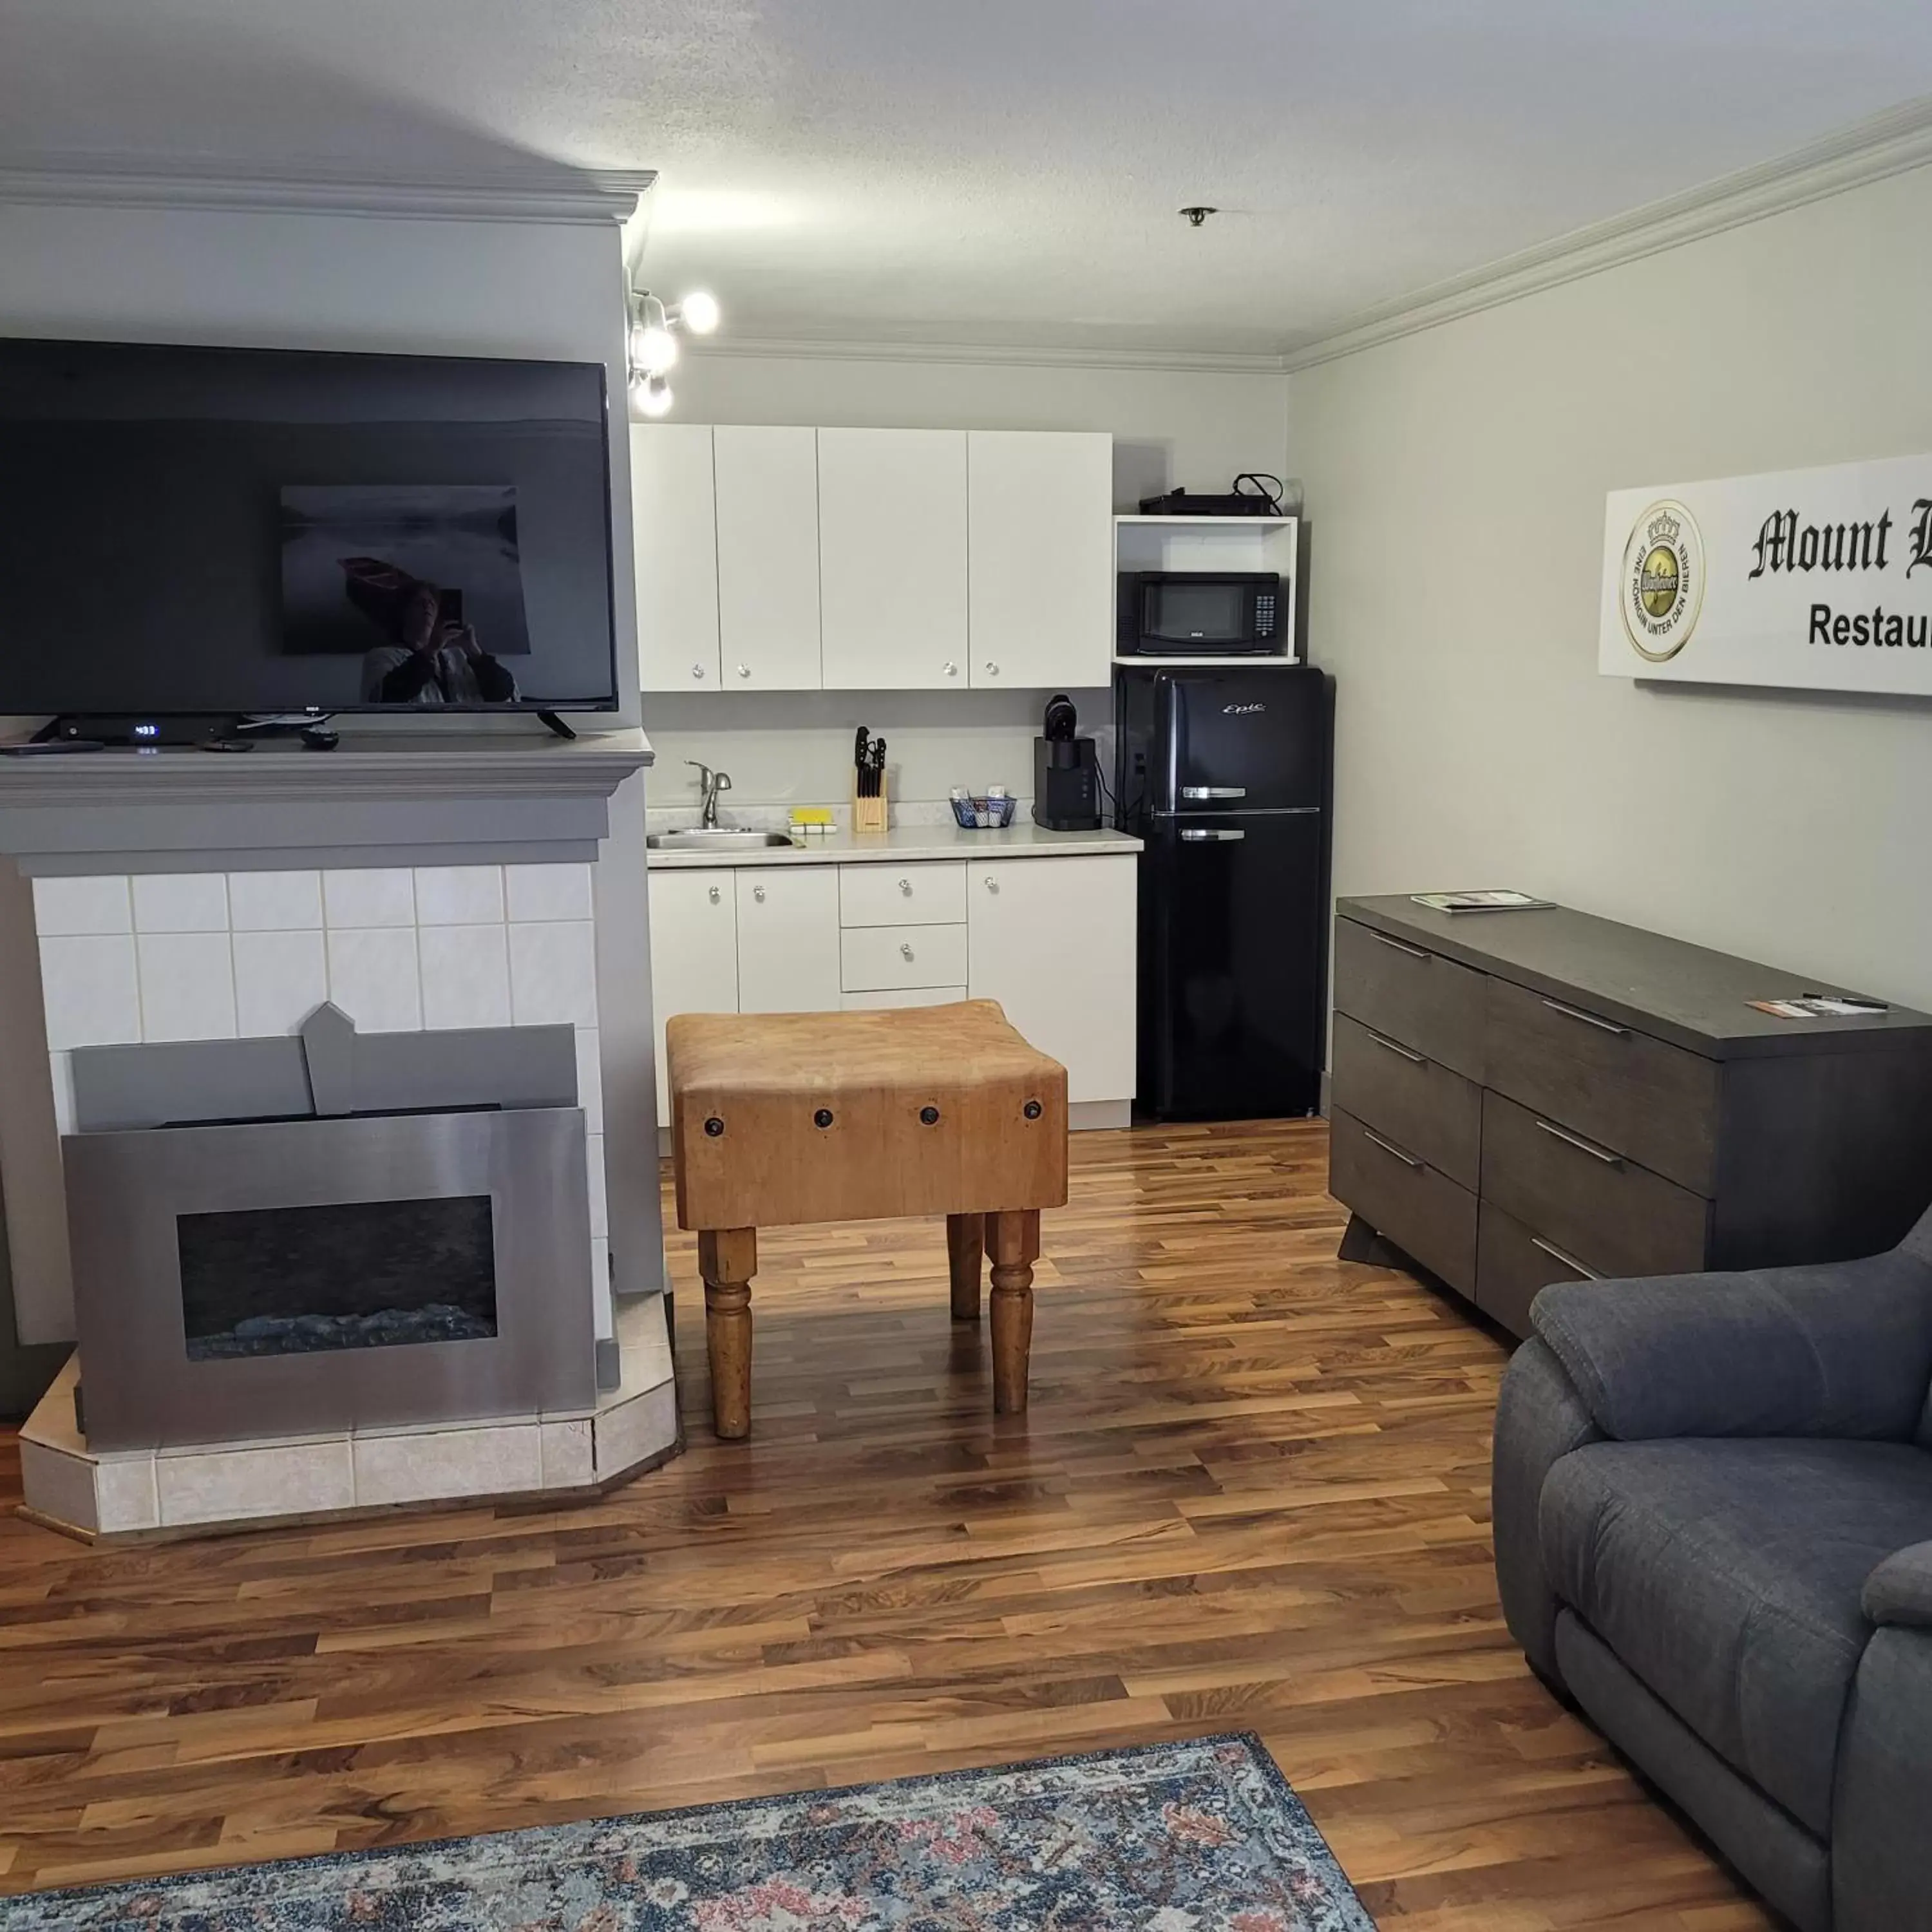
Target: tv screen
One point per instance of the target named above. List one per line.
(260, 532)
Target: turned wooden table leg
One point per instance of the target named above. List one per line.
(1013, 1240)
(727, 1258)
(965, 1254)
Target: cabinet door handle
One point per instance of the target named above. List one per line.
(992, 883)
(1588, 1019)
(744, 670)
(1556, 1254)
(905, 947)
(715, 896)
(952, 670)
(1407, 1053)
(1214, 791)
(1577, 1141)
(1390, 1146)
(1202, 835)
(758, 893)
(992, 669)
(698, 671)
(905, 886)
(1414, 952)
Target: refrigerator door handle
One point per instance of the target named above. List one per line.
(1201, 835)
(1214, 791)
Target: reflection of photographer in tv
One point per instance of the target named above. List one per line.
(436, 658)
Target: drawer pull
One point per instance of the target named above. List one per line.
(906, 949)
(1414, 952)
(905, 886)
(1390, 1146)
(1588, 1019)
(1589, 1147)
(1557, 1255)
(1407, 1053)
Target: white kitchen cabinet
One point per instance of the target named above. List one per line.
(884, 958)
(1040, 580)
(927, 893)
(892, 558)
(674, 519)
(788, 939)
(693, 951)
(1053, 940)
(766, 484)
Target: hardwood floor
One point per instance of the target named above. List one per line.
(1251, 1492)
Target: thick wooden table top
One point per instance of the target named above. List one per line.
(748, 1091)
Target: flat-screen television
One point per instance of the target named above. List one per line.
(261, 532)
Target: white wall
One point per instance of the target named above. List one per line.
(344, 281)
(1455, 481)
(1186, 426)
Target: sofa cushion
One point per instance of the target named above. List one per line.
(1727, 1574)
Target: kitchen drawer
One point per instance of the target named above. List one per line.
(884, 895)
(1408, 994)
(900, 996)
(1424, 1213)
(1632, 1094)
(1513, 1262)
(882, 958)
(1407, 1097)
(1589, 1201)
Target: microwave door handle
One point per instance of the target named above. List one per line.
(1214, 791)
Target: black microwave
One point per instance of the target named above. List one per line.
(1199, 613)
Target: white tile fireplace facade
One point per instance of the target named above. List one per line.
(171, 956)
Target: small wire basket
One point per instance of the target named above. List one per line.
(982, 815)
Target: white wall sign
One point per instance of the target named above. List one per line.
(1819, 579)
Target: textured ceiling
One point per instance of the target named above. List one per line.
(999, 171)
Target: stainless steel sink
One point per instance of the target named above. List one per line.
(697, 839)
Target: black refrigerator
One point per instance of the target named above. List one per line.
(1224, 772)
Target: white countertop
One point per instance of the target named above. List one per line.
(905, 842)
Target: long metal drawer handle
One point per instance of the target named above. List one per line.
(1556, 1254)
(1407, 1053)
(1204, 836)
(1214, 791)
(1590, 1148)
(1390, 1146)
(1588, 1019)
(1414, 952)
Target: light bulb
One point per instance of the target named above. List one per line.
(654, 396)
(653, 347)
(698, 311)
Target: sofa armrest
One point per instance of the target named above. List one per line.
(1881, 1851)
(1899, 1590)
(1539, 1419)
(1842, 1349)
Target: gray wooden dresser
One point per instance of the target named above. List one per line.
(1524, 1097)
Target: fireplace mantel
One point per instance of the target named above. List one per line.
(523, 795)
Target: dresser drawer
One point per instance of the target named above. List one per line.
(1424, 1212)
(1513, 1264)
(1408, 994)
(1589, 1201)
(1632, 1094)
(931, 894)
(880, 958)
(1407, 1097)
(900, 996)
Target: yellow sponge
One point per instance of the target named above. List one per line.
(811, 814)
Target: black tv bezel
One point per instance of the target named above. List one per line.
(519, 707)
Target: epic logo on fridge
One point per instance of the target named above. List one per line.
(1784, 544)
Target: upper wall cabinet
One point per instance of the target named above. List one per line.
(872, 560)
(1039, 578)
(766, 483)
(675, 528)
(892, 558)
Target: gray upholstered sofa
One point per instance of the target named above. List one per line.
(1714, 1530)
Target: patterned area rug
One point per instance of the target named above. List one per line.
(1201, 1837)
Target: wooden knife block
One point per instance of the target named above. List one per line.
(868, 814)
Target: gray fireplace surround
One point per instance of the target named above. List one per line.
(293, 1236)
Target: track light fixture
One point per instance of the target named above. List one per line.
(652, 343)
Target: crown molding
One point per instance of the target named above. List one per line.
(1888, 144)
(811, 349)
(542, 193)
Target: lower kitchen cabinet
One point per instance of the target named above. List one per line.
(694, 950)
(788, 939)
(1052, 939)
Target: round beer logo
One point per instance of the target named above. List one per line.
(1664, 581)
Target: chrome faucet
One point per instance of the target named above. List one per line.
(709, 784)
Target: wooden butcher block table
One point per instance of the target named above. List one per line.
(778, 1118)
